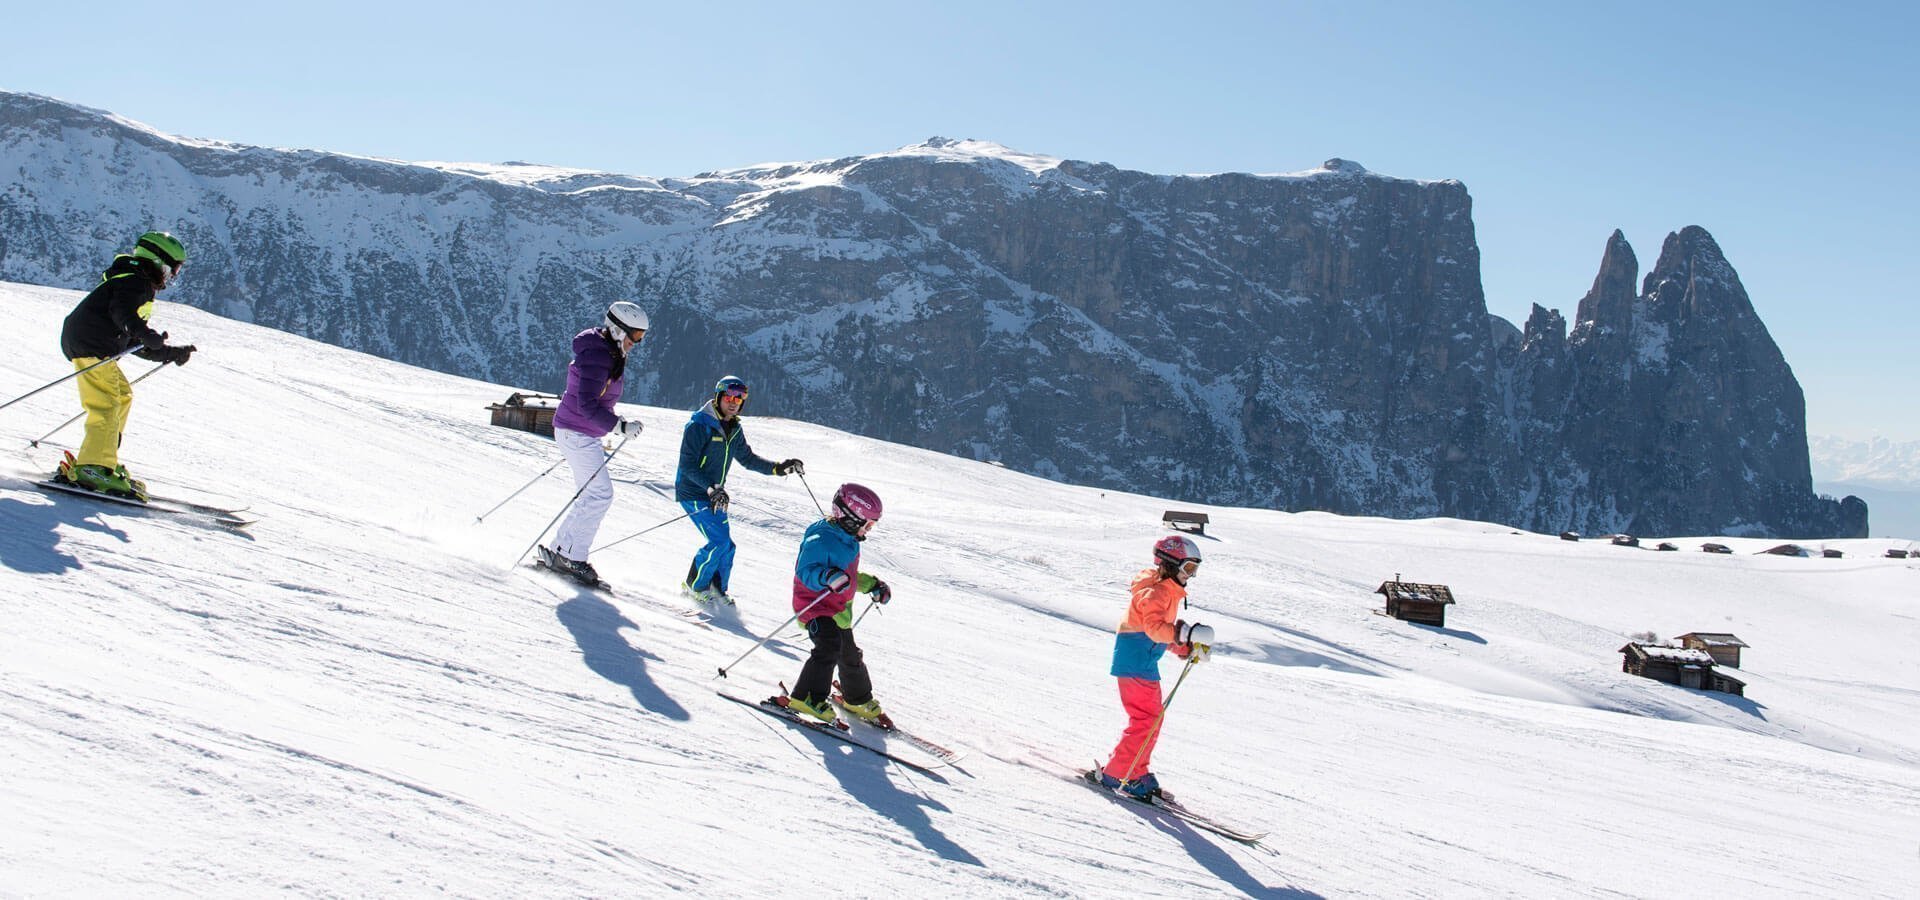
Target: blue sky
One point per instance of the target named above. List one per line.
(1789, 131)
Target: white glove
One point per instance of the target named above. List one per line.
(1197, 638)
(628, 427)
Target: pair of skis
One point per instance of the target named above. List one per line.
(217, 515)
(1172, 808)
(840, 731)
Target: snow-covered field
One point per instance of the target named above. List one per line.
(357, 696)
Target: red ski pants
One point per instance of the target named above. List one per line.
(1142, 701)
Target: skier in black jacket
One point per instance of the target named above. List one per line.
(108, 321)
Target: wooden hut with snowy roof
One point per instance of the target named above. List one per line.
(1425, 604)
(1683, 666)
(526, 412)
(1724, 648)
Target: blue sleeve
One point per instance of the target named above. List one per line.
(818, 556)
(748, 458)
(693, 443)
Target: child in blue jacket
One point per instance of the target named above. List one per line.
(825, 576)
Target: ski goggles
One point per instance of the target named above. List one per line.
(1190, 566)
(735, 391)
(636, 334)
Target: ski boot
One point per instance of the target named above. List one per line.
(869, 712)
(139, 487)
(100, 479)
(1145, 788)
(709, 596)
(821, 710)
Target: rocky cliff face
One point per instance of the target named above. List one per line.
(1308, 341)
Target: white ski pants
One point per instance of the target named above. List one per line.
(585, 455)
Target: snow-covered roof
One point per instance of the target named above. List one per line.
(1714, 639)
(1682, 655)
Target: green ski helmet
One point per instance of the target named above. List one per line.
(163, 250)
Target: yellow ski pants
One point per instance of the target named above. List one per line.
(107, 397)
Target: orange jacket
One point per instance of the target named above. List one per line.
(1149, 625)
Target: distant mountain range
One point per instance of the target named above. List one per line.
(1884, 473)
(1316, 340)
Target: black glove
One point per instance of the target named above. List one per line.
(154, 352)
(836, 580)
(179, 355)
(790, 467)
(717, 496)
(880, 592)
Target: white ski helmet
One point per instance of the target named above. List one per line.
(623, 319)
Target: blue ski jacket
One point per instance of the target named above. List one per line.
(707, 448)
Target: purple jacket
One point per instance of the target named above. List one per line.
(593, 385)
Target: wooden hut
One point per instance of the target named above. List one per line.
(1786, 550)
(1724, 648)
(1685, 667)
(1896, 554)
(1715, 548)
(1667, 545)
(1569, 535)
(1181, 520)
(1625, 540)
(1425, 604)
(526, 412)
(1831, 553)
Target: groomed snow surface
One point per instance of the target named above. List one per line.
(358, 696)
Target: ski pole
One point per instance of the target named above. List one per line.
(816, 500)
(83, 413)
(74, 374)
(1154, 733)
(641, 532)
(496, 507)
(790, 620)
(863, 614)
(576, 496)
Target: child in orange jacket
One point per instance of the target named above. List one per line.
(1152, 625)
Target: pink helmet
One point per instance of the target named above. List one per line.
(1175, 549)
(857, 502)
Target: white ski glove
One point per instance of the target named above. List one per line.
(1197, 638)
(629, 427)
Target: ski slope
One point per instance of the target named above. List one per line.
(359, 695)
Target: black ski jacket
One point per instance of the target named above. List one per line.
(114, 316)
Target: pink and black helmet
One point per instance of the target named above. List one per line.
(857, 505)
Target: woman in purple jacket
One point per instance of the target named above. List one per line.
(585, 416)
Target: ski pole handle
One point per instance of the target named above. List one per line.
(75, 374)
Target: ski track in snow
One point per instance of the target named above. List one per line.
(358, 695)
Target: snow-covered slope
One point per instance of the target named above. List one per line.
(357, 696)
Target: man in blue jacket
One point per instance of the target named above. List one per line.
(713, 439)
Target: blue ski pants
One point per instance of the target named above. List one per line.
(713, 563)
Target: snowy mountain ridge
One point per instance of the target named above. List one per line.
(357, 696)
(1316, 340)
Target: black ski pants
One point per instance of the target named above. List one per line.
(833, 647)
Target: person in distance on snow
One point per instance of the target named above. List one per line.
(1152, 625)
(825, 576)
(711, 442)
(110, 319)
(594, 383)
